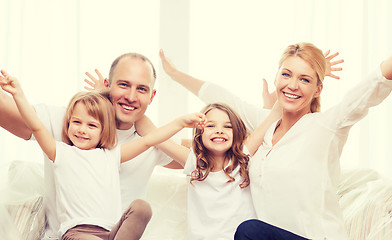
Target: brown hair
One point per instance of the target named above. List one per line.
(312, 55)
(137, 56)
(204, 161)
(99, 107)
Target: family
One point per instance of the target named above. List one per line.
(253, 173)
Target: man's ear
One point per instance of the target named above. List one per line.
(106, 82)
(153, 95)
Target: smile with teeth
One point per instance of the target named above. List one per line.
(292, 96)
(81, 138)
(126, 107)
(219, 139)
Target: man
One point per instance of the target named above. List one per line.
(131, 88)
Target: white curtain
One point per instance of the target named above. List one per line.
(49, 45)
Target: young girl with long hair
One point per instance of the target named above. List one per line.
(86, 165)
(217, 168)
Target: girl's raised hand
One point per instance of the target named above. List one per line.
(98, 85)
(8, 83)
(194, 120)
(330, 64)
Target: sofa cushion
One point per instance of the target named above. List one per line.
(29, 218)
(366, 200)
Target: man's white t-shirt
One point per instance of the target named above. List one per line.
(87, 186)
(134, 174)
(215, 206)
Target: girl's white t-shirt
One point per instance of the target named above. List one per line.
(134, 174)
(215, 206)
(87, 186)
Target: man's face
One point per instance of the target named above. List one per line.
(131, 91)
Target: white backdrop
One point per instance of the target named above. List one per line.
(49, 45)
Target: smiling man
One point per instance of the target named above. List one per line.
(131, 87)
(131, 82)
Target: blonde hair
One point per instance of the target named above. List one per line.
(204, 161)
(312, 55)
(99, 107)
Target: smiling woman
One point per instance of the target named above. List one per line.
(300, 86)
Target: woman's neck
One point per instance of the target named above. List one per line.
(288, 120)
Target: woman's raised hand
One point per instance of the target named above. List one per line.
(168, 67)
(331, 65)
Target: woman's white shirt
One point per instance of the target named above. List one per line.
(294, 182)
(215, 206)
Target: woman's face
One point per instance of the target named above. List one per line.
(296, 86)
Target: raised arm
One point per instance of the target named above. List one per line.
(209, 93)
(10, 118)
(176, 151)
(27, 112)
(187, 81)
(132, 149)
(255, 139)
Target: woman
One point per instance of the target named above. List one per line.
(295, 172)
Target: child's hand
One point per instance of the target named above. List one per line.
(194, 120)
(97, 85)
(8, 83)
(331, 69)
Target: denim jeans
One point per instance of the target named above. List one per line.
(258, 230)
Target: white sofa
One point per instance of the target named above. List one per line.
(366, 199)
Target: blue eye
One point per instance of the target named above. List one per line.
(122, 84)
(305, 80)
(285, 75)
(228, 126)
(142, 89)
